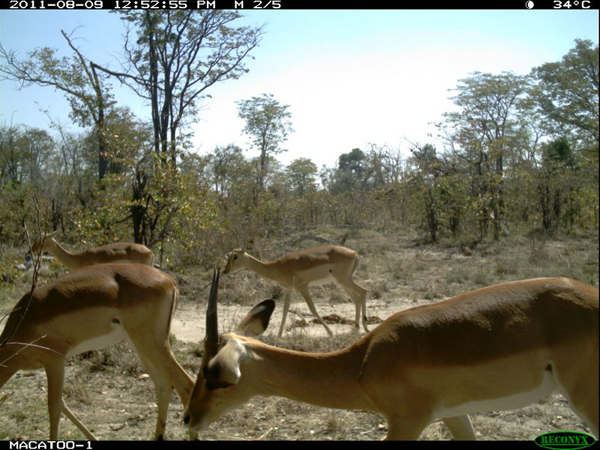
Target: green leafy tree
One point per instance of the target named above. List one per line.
(301, 174)
(85, 88)
(352, 172)
(300, 179)
(25, 155)
(268, 124)
(425, 179)
(227, 168)
(484, 132)
(567, 92)
(24, 152)
(176, 57)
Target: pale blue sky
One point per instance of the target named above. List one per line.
(350, 77)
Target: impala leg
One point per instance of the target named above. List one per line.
(155, 353)
(163, 396)
(164, 389)
(575, 369)
(73, 418)
(286, 307)
(166, 373)
(358, 294)
(183, 384)
(460, 427)
(55, 373)
(362, 292)
(406, 428)
(303, 290)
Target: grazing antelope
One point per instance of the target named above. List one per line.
(118, 252)
(500, 347)
(90, 309)
(298, 270)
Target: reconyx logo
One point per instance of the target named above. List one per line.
(564, 440)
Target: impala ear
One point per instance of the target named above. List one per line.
(257, 320)
(231, 256)
(50, 235)
(248, 245)
(39, 244)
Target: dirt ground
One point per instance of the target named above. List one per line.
(113, 396)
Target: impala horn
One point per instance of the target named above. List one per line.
(211, 341)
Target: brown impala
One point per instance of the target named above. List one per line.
(496, 348)
(298, 270)
(118, 252)
(90, 309)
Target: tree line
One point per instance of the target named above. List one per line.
(519, 152)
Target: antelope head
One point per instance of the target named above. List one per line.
(222, 382)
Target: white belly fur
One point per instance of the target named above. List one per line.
(311, 277)
(100, 342)
(516, 401)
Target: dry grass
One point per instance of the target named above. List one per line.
(112, 395)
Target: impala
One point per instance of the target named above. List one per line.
(298, 270)
(118, 252)
(90, 309)
(500, 347)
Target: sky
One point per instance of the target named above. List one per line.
(351, 78)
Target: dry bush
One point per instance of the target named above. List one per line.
(109, 392)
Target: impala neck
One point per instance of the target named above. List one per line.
(326, 379)
(257, 266)
(68, 259)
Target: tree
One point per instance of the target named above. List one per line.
(86, 90)
(268, 124)
(224, 166)
(301, 173)
(567, 92)
(352, 172)
(353, 162)
(385, 165)
(23, 153)
(176, 58)
(483, 132)
(425, 178)
(300, 178)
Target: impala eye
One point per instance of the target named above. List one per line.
(213, 385)
(212, 378)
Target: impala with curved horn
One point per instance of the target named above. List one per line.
(298, 270)
(90, 309)
(496, 348)
(118, 252)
